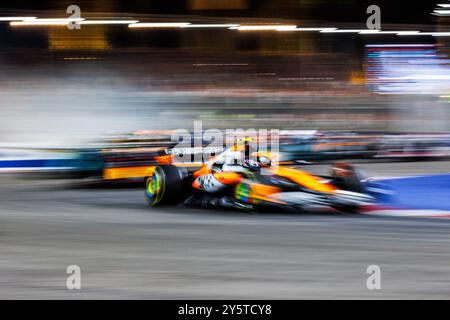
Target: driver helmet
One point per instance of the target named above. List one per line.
(251, 164)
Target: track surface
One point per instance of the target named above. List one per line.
(127, 250)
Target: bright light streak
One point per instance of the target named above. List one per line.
(378, 32)
(55, 20)
(33, 21)
(17, 18)
(442, 12)
(441, 34)
(286, 28)
(159, 25)
(408, 33)
(343, 31)
(399, 45)
(109, 21)
(434, 34)
(444, 5)
(265, 28)
(26, 24)
(308, 29)
(46, 22)
(212, 26)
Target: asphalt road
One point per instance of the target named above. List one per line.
(127, 250)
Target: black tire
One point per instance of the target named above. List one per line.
(166, 186)
(347, 177)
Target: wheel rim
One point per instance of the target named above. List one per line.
(242, 192)
(154, 187)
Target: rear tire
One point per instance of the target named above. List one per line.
(166, 186)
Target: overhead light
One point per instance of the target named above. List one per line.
(441, 34)
(399, 45)
(434, 34)
(109, 21)
(307, 29)
(378, 32)
(212, 26)
(54, 20)
(442, 12)
(444, 5)
(343, 31)
(46, 22)
(408, 33)
(265, 28)
(159, 25)
(16, 18)
(286, 28)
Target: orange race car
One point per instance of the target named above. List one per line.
(254, 183)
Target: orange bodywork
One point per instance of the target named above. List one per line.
(202, 171)
(262, 192)
(127, 173)
(228, 178)
(166, 159)
(225, 178)
(196, 185)
(305, 179)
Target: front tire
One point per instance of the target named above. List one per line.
(165, 186)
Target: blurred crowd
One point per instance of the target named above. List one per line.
(124, 157)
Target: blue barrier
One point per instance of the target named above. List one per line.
(38, 163)
(418, 193)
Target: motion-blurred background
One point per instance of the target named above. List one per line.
(60, 86)
(339, 88)
(101, 103)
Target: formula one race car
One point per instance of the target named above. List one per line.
(280, 188)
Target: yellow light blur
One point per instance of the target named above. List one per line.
(265, 28)
(92, 38)
(159, 25)
(212, 25)
(307, 29)
(84, 22)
